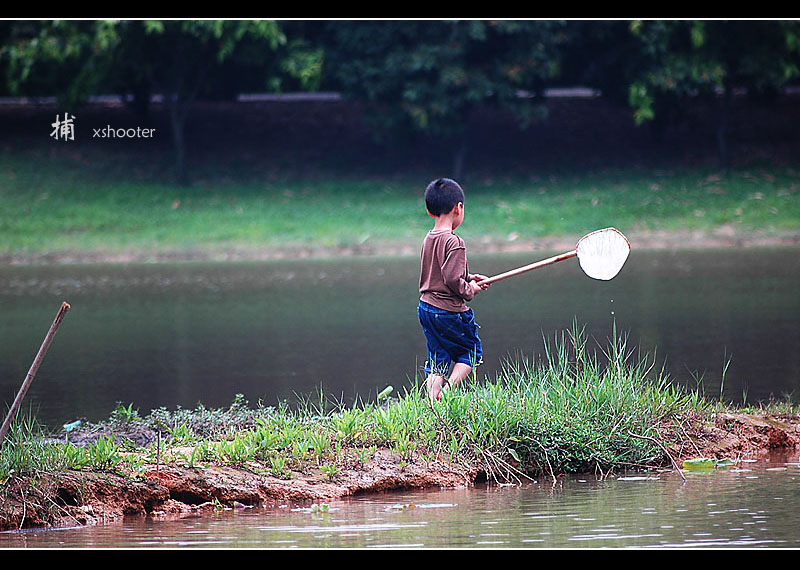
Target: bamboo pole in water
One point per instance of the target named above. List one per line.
(34, 367)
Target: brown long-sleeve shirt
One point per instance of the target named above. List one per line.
(444, 273)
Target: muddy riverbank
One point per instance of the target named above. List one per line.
(722, 237)
(168, 489)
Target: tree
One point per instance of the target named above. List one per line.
(602, 54)
(67, 58)
(428, 76)
(710, 59)
(142, 57)
(181, 54)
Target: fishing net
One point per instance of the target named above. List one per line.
(602, 254)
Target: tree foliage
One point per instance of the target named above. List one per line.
(414, 76)
(688, 58)
(428, 76)
(175, 58)
(69, 58)
(683, 59)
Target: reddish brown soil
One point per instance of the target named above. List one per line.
(86, 498)
(734, 435)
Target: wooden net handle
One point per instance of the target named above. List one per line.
(531, 267)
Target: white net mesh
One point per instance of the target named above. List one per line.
(603, 253)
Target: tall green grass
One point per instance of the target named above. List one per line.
(578, 409)
(26, 452)
(582, 407)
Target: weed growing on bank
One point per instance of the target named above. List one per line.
(579, 408)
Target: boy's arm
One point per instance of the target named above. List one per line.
(453, 274)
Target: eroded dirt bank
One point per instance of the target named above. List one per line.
(86, 497)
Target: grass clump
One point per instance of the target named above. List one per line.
(23, 452)
(28, 452)
(573, 410)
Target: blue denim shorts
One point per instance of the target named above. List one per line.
(451, 337)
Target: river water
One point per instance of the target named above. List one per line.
(754, 504)
(180, 334)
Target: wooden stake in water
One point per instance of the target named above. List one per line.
(34, 367)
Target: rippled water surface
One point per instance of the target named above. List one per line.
(754, 504)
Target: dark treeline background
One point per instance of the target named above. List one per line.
(414, 78)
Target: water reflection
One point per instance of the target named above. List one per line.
(179, 334)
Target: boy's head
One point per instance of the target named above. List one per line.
(442, 195)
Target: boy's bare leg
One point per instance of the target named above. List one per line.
(434, 385)
(460, 372)
(436, 382)
(437, 386)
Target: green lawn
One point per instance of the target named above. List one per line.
(57, 203)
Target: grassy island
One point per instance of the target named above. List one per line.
(578, 410)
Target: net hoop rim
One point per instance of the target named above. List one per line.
(620, 251)
(604, 230)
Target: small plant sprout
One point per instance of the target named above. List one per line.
(330, 469)
(364, 454)
(278, 467)
(319, 443)
(125, 414)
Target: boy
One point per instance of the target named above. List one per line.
(445, 285)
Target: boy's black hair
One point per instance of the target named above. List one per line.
(442, 195)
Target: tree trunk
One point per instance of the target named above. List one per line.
(459, 158)
(140, 103)
(722, 126)
(179, 100)
(177, 118)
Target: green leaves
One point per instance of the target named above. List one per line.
(67, 58)
(685, 58)
(642, 103)
(385, 392)
(430, 74)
